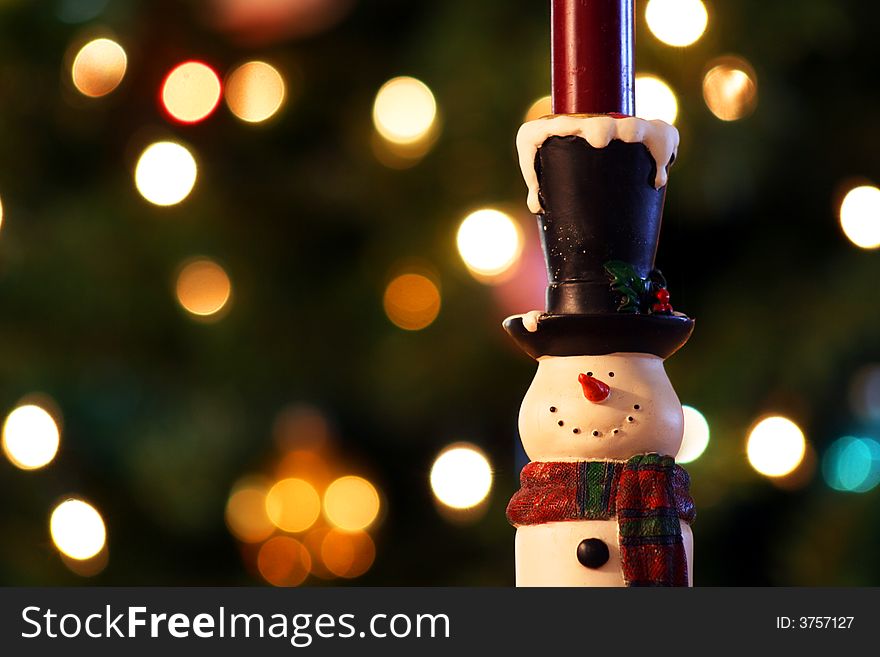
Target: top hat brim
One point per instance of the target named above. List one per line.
(595, 335)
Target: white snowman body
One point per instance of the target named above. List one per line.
(557, 422)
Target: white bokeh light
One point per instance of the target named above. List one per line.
(77, 529)
(776, 446)
(461, 476)
(860, 216)
(165, 173)
(30, 437)
(404, 110)
(489, 243)
(696, 436)
(677, 22)
(655, 99)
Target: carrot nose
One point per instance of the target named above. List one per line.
(595, 390)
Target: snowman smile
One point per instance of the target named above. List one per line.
(583, 427)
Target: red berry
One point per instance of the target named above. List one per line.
(663, 295)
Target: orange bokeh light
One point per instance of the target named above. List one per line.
(98, 67)
(284, 561)
(293, 505)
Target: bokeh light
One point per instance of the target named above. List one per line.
(412, 301)
(30, 437)
(348, 554)
(77, 529)
(696, 436)
(191, 92)
(730, 89)
(404, 110)
(1, 213)
(461, 476)
(860, 216)
(165, 173)
(351, 503)
(490, 243)
(98, 67)
(203, 288)
(775, 446)
(655, 99)
(246, 514)
(852, 464)
(284, 561)
(541, 107)
(293, 505)
(255, 91)
(677, 22)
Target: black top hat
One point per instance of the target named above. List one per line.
(599, 230)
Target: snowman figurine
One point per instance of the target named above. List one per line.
(602, 502)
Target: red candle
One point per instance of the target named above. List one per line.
(592, 56)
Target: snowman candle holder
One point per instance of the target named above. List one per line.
(602, 502)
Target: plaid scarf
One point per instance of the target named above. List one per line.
(647, 494)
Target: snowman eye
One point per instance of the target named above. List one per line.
(552, 409)
(610, 373)
(636, 406)
(589, 374)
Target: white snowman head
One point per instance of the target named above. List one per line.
(612, 406)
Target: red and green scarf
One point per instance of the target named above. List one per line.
(648, 494)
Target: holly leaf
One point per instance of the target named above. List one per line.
(627, 283)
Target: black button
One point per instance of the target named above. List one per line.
(592, 553)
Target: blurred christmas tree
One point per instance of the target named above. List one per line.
(288, 290)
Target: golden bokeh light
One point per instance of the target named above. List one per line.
(860, 216)
(293, 505)
(541, 107)
(77, 529)
(165, 173)
(30, 437)
(203, 288)
(351, 503)
(404, 110)
(246, 514)
(191, 92)
(677, 22)
(696, 436)
(730, 89)
(775, 446)
(461, 476)
(284, 561)
(490, 243)
(655, 99)
(98, 67)
(412, 301)
(255, 91)
(348, 554)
